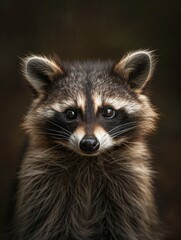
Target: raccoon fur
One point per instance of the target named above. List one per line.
(86, 174)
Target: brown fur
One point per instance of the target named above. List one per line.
(66, 195)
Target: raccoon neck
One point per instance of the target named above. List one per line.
(125, 173)
(111, 191)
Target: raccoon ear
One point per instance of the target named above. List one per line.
(136, 68)
(40, 71)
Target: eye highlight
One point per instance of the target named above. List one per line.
(71, 114)
(108, 113)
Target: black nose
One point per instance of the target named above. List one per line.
(89, 144)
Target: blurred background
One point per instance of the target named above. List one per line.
(95, 29)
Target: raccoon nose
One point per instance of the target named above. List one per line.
(89, 144)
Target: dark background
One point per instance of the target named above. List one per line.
(95, 29)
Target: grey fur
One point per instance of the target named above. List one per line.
(68, 196)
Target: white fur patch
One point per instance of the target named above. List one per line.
(61, 107)
(76, 137)
(70, 103)
(81, 102)
(56, 107)
(45, 112)
(97, 101)
(103, 137)
(116, 103)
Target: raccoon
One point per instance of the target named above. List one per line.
(86, 174)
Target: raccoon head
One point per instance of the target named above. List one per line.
(92, 106)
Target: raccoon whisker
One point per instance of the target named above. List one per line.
(68, 128)
(123, 131)
(128, 146)
(58, 132)
(55, 135)
(128, 141)
(104, 140)
(59, 126)
(74, 143)
(51, 148)
(121, 126)
(59, 138)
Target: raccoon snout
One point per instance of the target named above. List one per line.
(89, 144)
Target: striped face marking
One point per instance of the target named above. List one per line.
(70, 103)
(116, 103)
(110, 129)
(91, 119)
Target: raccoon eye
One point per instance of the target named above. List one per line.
(71, 114)
(108, 112)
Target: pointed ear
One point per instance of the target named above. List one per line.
(40, 71)
(136, 68)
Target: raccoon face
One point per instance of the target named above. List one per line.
(89, 107)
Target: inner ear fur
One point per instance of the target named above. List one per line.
(40, 71)
(136, 68)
